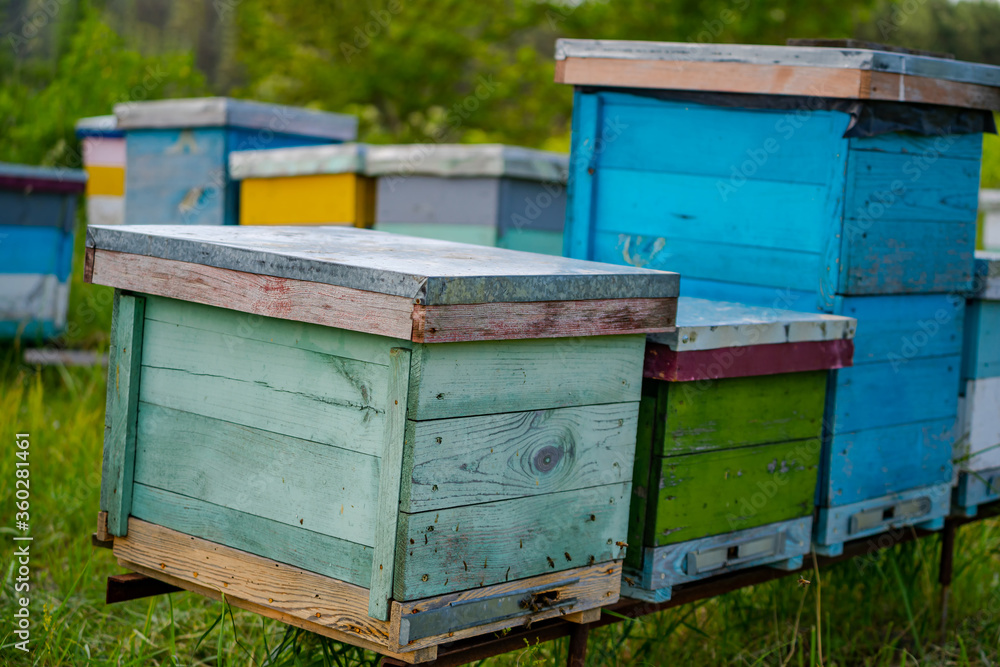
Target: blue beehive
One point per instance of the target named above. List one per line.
(177, 152)
(36, 247)
(803, 178)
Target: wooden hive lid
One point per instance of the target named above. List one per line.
(716, 339)
(986, 279)
(41, 179)
(98, 126)
(227, 112)
(424, 290)
(298, 161)
(813, 71)
(467, 160)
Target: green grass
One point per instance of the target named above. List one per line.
(880, 610)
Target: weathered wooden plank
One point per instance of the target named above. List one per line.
(282, 298)
(663, 363)
(298, 415)
(921, 389)
(573, 592)
(391, 464)
(467, 547)
(236, 327)
(463, 379)
(307, 596)
(123, 401)
(893, 87)
(295, 545)
(716, 492)
(328, 490)
(645, 476)
(544, 319)
(682, 563)
(453, 462)
(736, 412)
(874, 462)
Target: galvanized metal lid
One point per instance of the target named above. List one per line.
(431, 271)
(986, 279)
(44, 179)
(227, 112)
(98, 126)
(467, 160)
(300, 161)
(796, 56)
(703, 324)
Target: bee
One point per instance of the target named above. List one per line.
(803, 582)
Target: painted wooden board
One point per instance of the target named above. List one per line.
(105, 210)
(705, 324)
(390, 473)
(673, 564)
(978, 440)
(531, 205)
(98, 126)
(293, 545)
(103, 151)
(32, 300)
(465, 379)
(568, 593)
(925, 507)
(103, 180)
(227, 112)
(298, 161)
(19, 177)
(975, 488)
(852, 58)
(475, 234)
(35, 250)
(897, 329)
(320, 488)
(431, 200)
(663, 363)
(716, 492)
(967, 146)
(981, 349)
(436, 272)
(322, 199)
(466, 160)
(873, 462)
(987, 281)
(473, 546)
(122, 410)
(532, 240)
(736, 412)
(921, 389)
(469, 460)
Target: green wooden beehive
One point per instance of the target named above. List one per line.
(421, 438)
(728, 444)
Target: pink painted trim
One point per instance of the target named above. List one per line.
(104, 152)
(662, 363)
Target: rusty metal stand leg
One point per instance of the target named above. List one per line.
(945, 571)
(578, 646)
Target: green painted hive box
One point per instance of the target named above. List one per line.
(390, 440)
(729, 440)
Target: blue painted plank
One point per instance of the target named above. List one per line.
(763, 267)
(923, 506)
(692, 208)
(751, 295)
(964, 146)
(981, 349)
(902, 257)
(38, 209)
(898, 328)
(578, 231)
(874, 462)
(871, 396)
(729, 144)
(33, 250)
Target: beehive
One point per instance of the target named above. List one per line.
(832, 179)
(307, 185)
(177, 152)
(486, 194)
(979, 405)
(729, 441)
(103, 147)
(437, 439)
(36, 250)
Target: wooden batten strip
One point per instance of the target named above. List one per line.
(662, 363)
(542, 319)
(374, 313)
(289, 594)
(590, 587)
(729, 77)
(270, 296)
